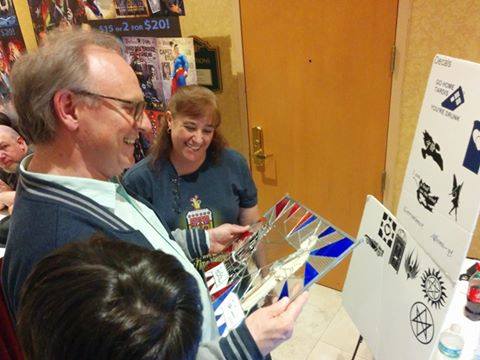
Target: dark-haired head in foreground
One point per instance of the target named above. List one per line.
(106, 299)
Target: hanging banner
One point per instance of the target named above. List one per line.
(119, 17)
(156, 27)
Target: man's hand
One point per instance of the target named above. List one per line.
(224, 235)
(7, 198)
(4, 186)
(272, 325)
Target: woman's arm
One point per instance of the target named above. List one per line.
(248, 216)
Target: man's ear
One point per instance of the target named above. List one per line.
(21, 142)
(65, 108)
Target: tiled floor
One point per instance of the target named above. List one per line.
(323, 331)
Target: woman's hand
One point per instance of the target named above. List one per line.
(224, 235)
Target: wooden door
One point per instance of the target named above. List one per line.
(318, 82)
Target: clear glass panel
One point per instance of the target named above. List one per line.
(283, 254)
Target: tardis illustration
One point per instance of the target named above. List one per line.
(454, 100)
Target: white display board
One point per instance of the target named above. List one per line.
(396, 295)
(400, 281)
(440, 198)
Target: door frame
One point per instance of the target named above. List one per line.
(391, 193)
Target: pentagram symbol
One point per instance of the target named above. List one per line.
(421, 322)
(432, 286)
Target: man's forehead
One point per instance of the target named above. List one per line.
(6, 137)
(108, 68)
(99, 56)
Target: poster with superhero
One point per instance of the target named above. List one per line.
(51, 14)
(99, 9)
(142, 55)
(5, 88)
(167, 7)
(177, 62)
(131, 8)
(11, 45)
(156, 121)
(112, 9)
(146, 138)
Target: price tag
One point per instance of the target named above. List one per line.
(217, 278)
(232, 311)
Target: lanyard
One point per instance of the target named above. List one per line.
(124, 194)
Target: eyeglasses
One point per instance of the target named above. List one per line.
(138, 107)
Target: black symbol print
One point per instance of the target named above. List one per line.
(433, 289)
(424, 197)
(387, 229)
(411, 266)
(455, 196)
(454, 100)
(397, 250)
(421, 322)
(432, 149)
(374, 245)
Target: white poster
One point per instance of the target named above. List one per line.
(396, 295)
(440, 201)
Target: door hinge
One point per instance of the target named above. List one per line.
(384, 181)
(393, 57)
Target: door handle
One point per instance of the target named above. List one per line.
(259, 154)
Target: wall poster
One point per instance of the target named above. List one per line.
(11, 45)
(162, 65)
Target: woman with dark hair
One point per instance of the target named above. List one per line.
(190, 177)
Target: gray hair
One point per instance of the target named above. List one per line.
(60, 63)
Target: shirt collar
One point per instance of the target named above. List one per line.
(103, 192)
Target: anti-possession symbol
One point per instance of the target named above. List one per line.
(421, 322)
(432, 286)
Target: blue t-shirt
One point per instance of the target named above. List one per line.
(206, 198)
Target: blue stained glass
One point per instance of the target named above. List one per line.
(310, 274)
(222, 329)
(326, 232)
(335, 249)
(305, 223)
(220, 299)
(284, 291)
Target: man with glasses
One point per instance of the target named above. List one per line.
(81, 106)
